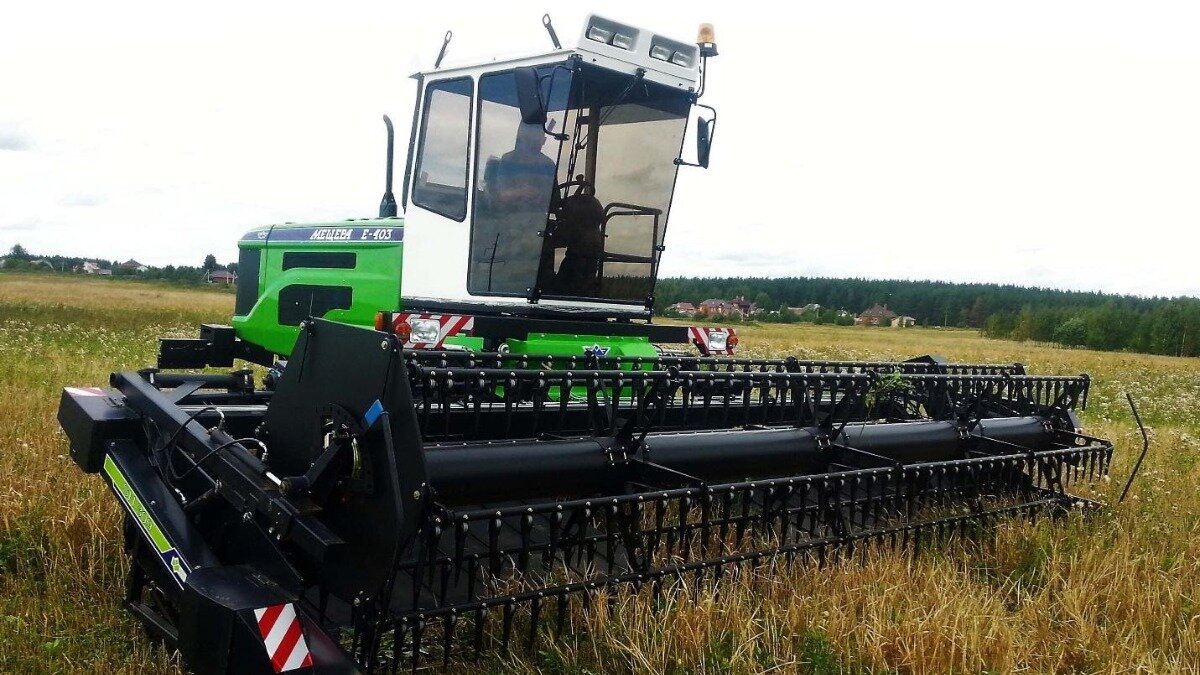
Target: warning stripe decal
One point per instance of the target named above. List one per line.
(449, 324)
(699, 335)
(283, 637)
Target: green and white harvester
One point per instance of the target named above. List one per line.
(470, 423)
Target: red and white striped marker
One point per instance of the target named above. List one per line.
(448, 324)
(283, 638)
(700, 335)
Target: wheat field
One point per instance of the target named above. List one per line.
(1115, 592)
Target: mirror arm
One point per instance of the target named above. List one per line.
(562, 135)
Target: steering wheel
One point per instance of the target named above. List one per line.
(585, 187)
(563, 200)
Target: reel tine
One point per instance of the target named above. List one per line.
(506, 634)
(555, 526)
(494, 526)
(417, 633)
(448, 624)
(560, 617)
(480, 626)
(535, 610)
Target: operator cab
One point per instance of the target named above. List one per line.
(544, 183)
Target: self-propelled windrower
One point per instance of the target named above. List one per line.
(470, 421)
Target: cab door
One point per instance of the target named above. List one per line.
(437, 230)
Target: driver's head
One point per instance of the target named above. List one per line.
(530, 138)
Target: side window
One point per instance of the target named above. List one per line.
(441, 171)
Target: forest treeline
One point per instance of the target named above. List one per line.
(1071, 318)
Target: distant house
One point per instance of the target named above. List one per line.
(879, 315)
(716, 307)
(903, 322)
(221, 277)
(3, 262)
(744, 306)
(133, 265)
(684, 308)
(89, 267)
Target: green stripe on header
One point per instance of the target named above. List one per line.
(125, 491)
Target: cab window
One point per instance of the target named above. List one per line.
(441, 170)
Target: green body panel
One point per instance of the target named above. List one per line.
(470, 342)
(550, 344)
(374, 281)
(576, 345)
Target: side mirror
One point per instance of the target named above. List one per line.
(529, 96)
(704, 134)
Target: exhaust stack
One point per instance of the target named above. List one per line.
(387, 207)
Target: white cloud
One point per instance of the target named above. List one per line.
(81, 199)
(23, 225)
(13, 140)
(1023, 142)
(14, 137)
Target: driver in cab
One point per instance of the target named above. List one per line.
(524, 176)
(512, 210)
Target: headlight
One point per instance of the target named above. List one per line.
(599, 34)
(671, 51)
(717, 341)
(622, 41)
(425, 330)
(610, 32)
(660, 52)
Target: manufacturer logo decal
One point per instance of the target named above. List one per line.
(351, 234)
(377, 234)
(332, 234)
(174, 562)
(596, 351)
(381, 235)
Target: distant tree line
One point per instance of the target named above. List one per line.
(20, 260)
(1170, 327)
(1071, 318)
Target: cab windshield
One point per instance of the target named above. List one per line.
(579, 212)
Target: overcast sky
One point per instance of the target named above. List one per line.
(1036, 143)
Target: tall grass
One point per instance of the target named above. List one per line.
(1112, 593)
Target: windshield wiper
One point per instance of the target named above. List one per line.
(634, 79)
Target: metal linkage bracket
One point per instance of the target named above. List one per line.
(833, 424)
(652, 404)
(879, 460)
(656, 476)
(344, 436)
